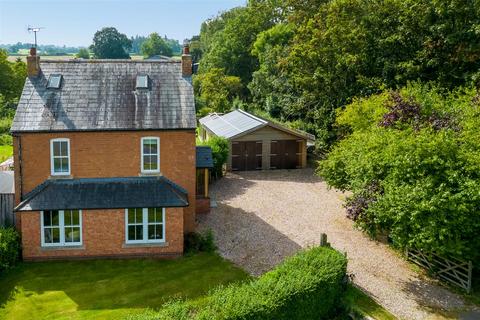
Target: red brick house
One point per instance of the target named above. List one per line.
(105, 158)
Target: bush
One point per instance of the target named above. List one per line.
(412, 161)
(219, 147)
(309, 285)
(198, 242)
(9, 247)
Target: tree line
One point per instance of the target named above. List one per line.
(108, 43)
(298, 61)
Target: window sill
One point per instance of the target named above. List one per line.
(145, 245)
(54, 248)
(150, 174)
(61, 176)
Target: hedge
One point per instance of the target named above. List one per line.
(9, 247)
(309, 285)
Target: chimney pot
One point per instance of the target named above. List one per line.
(33, 63)
(187, 63)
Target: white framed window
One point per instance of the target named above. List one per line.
(150, 162)
(145, 225)
(60, 156)
(61, 228)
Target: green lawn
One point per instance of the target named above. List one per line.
(366, 306)
(108, 289)
(5, 152)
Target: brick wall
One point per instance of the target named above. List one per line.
(202, 205)
(107, 154)
(103, 233)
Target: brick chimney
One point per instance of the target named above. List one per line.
(33, 63)
(186, 61)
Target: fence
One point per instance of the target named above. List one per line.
(451, 270)
(7, 217)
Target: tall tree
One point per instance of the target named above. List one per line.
(155, 45)
(83, 53)
(108, 43)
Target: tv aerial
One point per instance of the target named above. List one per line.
(34, 30)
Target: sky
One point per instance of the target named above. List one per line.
(74, 22)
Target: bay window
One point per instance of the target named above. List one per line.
(61, 228)
(145, 225)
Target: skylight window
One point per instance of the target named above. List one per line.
(142, 82)
(54, 81)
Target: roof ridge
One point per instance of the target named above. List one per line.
(252, 116)
(107, 61)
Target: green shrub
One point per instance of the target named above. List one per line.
(412, 161)
(200, 242)
(9, 247)
(309, 285)
(219, 147)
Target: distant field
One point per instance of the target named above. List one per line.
(66, 57)
(5, 152)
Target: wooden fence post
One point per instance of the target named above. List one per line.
(469, 284)
(323, 240)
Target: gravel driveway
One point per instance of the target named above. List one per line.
(264, 216)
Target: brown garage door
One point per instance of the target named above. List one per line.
(246, 155)
(285, 154)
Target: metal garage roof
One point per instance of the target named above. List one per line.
(104, 193)
(232, 123)
(239, 122)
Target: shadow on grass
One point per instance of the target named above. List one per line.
(115, 284)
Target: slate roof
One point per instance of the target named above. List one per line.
(101, 95)
(204, 157)
(238, 122)
(104, 193)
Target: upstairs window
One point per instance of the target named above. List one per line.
(60, 156)
(142, 82)
(150, 155)
(54, 81)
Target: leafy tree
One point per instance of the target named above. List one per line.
(137, 42)
(83, 53)
(215, 90)
(108, 43)
(155, 45)
(219, 146)
(174, 46)
(412, 163)
(229, 39)
(196, 48)
(12, 77)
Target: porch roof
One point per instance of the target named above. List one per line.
(104, 193)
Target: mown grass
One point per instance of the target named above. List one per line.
(108, 289)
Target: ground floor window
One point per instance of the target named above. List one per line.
(145, 225)
(61, 227)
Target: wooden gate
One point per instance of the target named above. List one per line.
(7, 217)
(451, 270)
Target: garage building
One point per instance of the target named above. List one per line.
(256, 143)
